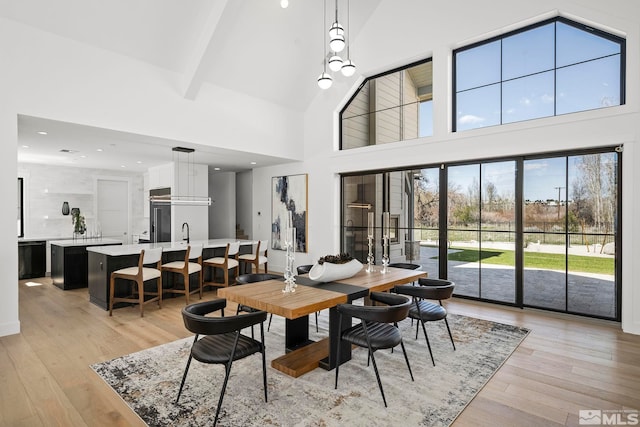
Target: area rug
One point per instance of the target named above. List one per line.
(148, 381)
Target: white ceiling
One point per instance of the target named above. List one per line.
(252, 46)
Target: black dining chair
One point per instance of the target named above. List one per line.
(378, 328)
(222, 342)
(427, 311)
(304, 269)
(243, 279)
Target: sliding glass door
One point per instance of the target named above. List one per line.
(537, 231)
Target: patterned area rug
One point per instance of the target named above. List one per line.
(148, 381)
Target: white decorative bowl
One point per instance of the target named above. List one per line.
(328, 272)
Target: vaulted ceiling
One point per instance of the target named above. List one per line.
(253, 47)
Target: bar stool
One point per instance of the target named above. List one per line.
(257, 258)
(139, 274)
(229, 261)
(186, 268)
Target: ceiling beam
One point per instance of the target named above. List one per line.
(194, 74)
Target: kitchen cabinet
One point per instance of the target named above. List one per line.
(69, 261)
(32, 259)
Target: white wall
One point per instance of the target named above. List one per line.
(410, 40)
(222, 214)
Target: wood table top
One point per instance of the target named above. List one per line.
(268, 295)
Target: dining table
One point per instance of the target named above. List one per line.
(302, 354)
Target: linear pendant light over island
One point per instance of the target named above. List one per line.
(183, 199)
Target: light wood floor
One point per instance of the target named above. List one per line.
(564, 365)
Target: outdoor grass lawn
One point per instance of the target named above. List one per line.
(577, 263)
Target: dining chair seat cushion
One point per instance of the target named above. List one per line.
(147, 273)
(252, 257)
(217, 348)
(429, 311)
(193, 266)
(381, 335)
(232, 263)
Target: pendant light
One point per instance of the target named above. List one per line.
(324, 80)
(336, 35)
(348, 66)
(335, 63)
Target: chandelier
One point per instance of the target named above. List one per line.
(337, 44)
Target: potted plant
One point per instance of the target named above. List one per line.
(79, 224)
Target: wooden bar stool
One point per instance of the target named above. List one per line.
(229, 261)
(186, 268)
(257, 258)
(139, 274)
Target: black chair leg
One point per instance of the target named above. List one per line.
(269, 325)
(264, 363)
(450, 336)
(406, 359)
(184, 377)
(338, 351)
(428, 344)
(375, 368)
(224, 388)
(316, 321)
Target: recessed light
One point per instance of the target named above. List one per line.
(82, 156)
(41, 132)
(122, 166)
(99, 149)
(139, 162)
(25, 146)
(216, 169)
(253, 163)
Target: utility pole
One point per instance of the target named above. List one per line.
(559, 188)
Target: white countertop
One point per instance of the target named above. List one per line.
(86, 242)
(166, 246)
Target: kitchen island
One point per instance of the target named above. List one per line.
(103, 260)
(69, 261)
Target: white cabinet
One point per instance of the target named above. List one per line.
(161, 176)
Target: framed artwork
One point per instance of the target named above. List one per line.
(289, 193)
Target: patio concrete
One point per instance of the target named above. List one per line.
(589, 294)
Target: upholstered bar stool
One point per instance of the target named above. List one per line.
(139, 275)
(185, 269)
(257, 258)
(229, 261)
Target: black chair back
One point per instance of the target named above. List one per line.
(426, 292)
(196, 322)
(255, 277)
(406, 265)
(397, 308)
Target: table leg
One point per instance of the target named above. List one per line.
(334, 340)
(296, 333)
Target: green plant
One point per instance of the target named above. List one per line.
(79, 224)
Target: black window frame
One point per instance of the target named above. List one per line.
(589, 29)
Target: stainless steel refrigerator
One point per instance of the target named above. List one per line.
(160, 217)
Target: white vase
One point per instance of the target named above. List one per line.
(329, 272)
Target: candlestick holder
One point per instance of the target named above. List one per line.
(289, 276)
(371, 262)
(385, 254)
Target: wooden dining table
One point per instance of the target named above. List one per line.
(302, 354)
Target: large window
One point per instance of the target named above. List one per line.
(389, 107)
(536, 231)
(554, 67)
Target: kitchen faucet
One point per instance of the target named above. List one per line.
(187, 239)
